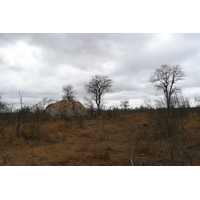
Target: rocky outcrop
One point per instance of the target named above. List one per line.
(65, 108)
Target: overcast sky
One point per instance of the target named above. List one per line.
(41, 64)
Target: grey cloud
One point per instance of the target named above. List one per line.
(88, 50)
(49, 61)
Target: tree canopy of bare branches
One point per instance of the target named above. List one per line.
(124, 104)
(165, 78)
(69, 93)
(97, 87)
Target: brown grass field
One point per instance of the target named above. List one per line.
(116, 138)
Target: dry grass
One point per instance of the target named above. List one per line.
(107, 141)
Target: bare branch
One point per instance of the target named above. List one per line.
(69, 93)
(165, 79)
(97, 87)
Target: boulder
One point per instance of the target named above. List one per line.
(78, 108)
(65, 108)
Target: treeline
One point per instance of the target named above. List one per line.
(164, 79)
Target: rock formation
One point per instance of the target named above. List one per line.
(65, 108)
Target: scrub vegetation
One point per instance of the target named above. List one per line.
(162, 132)
(116, 138)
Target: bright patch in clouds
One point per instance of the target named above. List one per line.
(21, 54)
(165, 36)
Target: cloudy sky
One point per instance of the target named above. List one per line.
(39, 65)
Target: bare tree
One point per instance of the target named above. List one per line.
(22, 114)
(124, 104)
(89, 104)
(69, 93)
(165, 79)
(2, 105)
(97, 87)
(170, 130)
(40, 106)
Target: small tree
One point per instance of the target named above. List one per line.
(124, 104)
(22, 114)
(165, 79)
(40, 106)
(3, 106)
(89, 104)
(98, 86)
(69, 93)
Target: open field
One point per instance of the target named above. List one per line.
(116, 138)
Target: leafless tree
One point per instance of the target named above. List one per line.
(124, 104)
(169, 128)
(40, 106)
(89, 104)
(98, 86)
(69, 93)
(2, 106)
(22, 114)
(165, 79)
